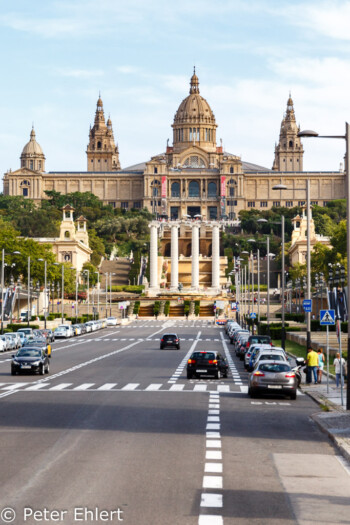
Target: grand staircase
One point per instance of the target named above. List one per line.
(119, 268)
(146, 310)
(206, 310)
(176, 310)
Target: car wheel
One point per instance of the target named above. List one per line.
(48, 369)
(225, 374)
(178, 347)
(293, 396)
(189, 375)
(13, 372)
(218, 375)
(42, 370)
(252, 393)
(161, 347)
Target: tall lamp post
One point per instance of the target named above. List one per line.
(309, 133)
(62, 290)
(98, 294)
(308, 255)
(45, 290)
(88, 291)
(3, 284)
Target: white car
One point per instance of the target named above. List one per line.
(111, 321)
(16, 337)
(3, 344)
(64, 330)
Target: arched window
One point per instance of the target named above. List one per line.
(67, 234)
(155, 170)
(212, 189)
(194, 162)
(31, 165)
(175, 189)
(231, 169)
(99, 145)
(193, 189)
(290, 143)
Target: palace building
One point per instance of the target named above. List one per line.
(194, 176)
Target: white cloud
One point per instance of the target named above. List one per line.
(79, 73)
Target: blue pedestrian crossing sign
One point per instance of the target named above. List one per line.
(253, 315)
(307, 305)
(327, 317)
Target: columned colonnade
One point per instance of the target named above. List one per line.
(174, 226)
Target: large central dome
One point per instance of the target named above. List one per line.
(194, 121)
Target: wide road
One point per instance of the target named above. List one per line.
(117, 434)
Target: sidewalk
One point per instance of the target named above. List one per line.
(335, 419)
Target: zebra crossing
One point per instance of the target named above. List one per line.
(107, 339)
(190, 386)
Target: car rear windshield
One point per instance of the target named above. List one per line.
(169, 337)
(271, 357)
(203, 355)
(274, 367)
(260, 339)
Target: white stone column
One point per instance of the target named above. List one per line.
(195, 256)
(215, 268)
(153, 256)
(174, 256)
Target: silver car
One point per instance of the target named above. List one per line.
(16, 337)
(273, 377)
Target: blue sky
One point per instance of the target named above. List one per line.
(57, 55)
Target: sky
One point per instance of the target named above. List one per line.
(57, 56)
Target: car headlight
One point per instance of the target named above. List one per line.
(36, 363)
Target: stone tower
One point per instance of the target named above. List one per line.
(289, 151)
(102, 153)
(32, 156)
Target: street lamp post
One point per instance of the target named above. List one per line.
(3, 285)
(45, 290)
(268, 285)
(98, 293)
(29, 313)
(62, 291)
(308, 255)
(309, 133)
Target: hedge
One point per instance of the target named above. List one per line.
(186, 308)
(156, 308)
(128, 288)
(13, 327)
(298, 318)
(136, 308)
(197, 307)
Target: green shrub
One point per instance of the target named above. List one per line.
(197, 307)
(156, 308)
(166, 307)
(136, 307)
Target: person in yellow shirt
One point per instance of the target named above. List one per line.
(312, 365)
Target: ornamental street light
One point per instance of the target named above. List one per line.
(98, 293)
(309, 133)
(3, 284)
(45, 290)
(308, 257)
(62, 290)
(88, 292)
(76, 292)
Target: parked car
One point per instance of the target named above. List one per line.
(12, 343)
(30, 359)
(272, 377)
(16, 337)
(64, 330)
(46, 332)
(76, 329)
(259, 339)
(3, 344)
(22, 336)
(250, 353)
(209, 363)
(27, 331)
(170, 340)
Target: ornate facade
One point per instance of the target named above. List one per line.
(194, 176)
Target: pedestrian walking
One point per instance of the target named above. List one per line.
(339, 365)
(321, 361)
(312, 365)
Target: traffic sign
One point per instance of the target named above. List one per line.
(327, 317)
(253, 315)
(307, 305)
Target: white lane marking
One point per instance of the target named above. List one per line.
(61, 386)
(84, 386)
(213, 468)
(213, 418)
(213, 435)
(344, 463)
(14, 386)
(214, 405)
(211, 500)
(200, 388)
(215, 443)
(185, 359)
(131, 386)
(37, 387)
(213, 426)
(244, 389)
(213, 412)
(154, 386)
(213, 454)
(212, 482)
(210, 520)
(107, 386)
(223, 388)
(177, 387)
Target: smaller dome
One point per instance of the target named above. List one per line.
(109, 123)
(32, 147)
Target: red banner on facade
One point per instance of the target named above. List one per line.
(163, 186)
(223, 186)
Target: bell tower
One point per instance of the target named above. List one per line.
(289, 151)
(102, 153)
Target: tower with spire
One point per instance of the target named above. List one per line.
(289, 150)
(102, 153)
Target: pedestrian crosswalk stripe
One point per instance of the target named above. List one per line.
(154, 386)
(107, 386)
(200, 388)
(61, 386)
(177, 387)
(131, 386)
(84, 386)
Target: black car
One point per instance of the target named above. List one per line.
(209, 363)
(30, 359)
(259, 340)
(170, 340)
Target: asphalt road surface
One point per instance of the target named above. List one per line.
(117, 434)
